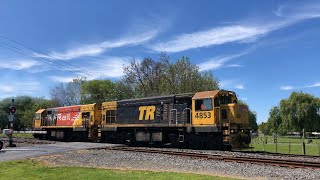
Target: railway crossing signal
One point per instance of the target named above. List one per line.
(11, 110)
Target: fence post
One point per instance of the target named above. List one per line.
(319, 149)
(289, 147)
(303, 148)
(275, 140)
(264, 148)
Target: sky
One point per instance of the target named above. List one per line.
(262, 50)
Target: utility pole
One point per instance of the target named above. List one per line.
(11, 111)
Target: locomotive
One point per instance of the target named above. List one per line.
(202, 120)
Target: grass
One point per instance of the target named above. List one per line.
(24, 135)
(283, 145)
(31, 169)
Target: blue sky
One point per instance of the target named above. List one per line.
(262, 50)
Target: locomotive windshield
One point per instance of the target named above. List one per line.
(225, 99)
(38, 116)
(203, 104)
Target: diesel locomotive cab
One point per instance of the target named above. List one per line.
(220, 111)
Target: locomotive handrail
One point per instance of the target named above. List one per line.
(218, 116)
(190, 114)
(176, 115)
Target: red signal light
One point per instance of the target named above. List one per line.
(13, 110)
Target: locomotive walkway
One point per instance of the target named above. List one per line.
(7, 154)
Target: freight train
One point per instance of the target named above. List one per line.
(202, 120)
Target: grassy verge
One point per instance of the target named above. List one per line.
(30, 169)
(312, 148)
(19, 135)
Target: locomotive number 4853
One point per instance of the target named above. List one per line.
(203, 115)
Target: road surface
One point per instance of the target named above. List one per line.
(7, 154)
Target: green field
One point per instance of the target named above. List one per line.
(312, 148)
(31, 169)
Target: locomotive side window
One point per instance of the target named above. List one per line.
(203, 104)
(216, 102)
(111, 116)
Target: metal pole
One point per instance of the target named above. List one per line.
(289, 147)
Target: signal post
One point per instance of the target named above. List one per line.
(11, 111)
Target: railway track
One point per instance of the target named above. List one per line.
(276, 154)
(227, 158)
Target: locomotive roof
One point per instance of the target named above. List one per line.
(210, 94)
(184, 95)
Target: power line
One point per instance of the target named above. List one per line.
(17, 51)
(47, 55)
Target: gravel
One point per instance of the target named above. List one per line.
(247, 154)
(112, 159)
(24, 142)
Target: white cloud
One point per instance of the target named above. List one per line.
(214, 36)
(234, 65)
(240, 32)
(19, 88)
(286, 88)
(239, 86)
(231, 84)
(5, 88)
(314, 85)
(17, 64)
(99, 48)
(63, 79)
(219, 62)
(301, 10)
(107, 67)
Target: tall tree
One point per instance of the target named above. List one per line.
(97, 91)
(145, 77)
(67, 94)
(151, 77)
(300, 111)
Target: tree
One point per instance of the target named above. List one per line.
(253, 120)
(97, 91)
(68, 94)
(263, 128)
(145, 77)
(298, 112)
(151, 77)
(275, 120)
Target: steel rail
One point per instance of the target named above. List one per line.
(226, 158)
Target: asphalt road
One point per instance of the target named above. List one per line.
(7, 154)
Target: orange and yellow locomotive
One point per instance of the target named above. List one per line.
(204, 120)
